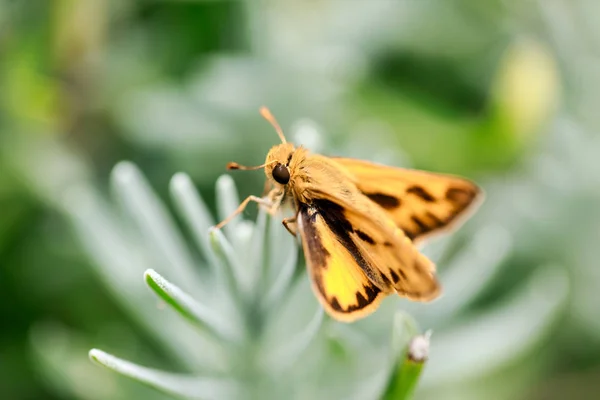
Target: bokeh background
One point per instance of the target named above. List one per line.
(505, 92)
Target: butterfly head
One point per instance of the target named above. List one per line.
(277, 164)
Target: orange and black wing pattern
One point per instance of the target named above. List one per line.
(420, 203)
(356, 258)
(336, 267)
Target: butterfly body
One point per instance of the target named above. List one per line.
(359, 222)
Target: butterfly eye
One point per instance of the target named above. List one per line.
(281, 174)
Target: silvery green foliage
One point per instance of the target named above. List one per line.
(265, 329)
(251, 328)
(250, 325)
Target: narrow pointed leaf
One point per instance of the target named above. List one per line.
(194, 211)
(282, 264)
(258, 254)
(213, 322)
(404, 380)
(236, 277)
(228, 201)
(411, 353)
(196, 215)
(181, 385)
(151, 216)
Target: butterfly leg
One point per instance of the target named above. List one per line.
(290, 225)
(268, 188)
(242, 206)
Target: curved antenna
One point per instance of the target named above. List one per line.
(234, 165)
(264, 111)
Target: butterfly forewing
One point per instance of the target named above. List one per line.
(420, 203)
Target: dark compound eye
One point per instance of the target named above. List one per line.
(281, 174)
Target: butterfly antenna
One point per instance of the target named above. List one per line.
(234, 165)
(264, 111)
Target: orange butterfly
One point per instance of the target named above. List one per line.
(359, 223)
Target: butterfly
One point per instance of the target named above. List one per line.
(360, 223)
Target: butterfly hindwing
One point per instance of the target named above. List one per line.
(336, 268)
(357, 255)
(420, 203)
(397, 263)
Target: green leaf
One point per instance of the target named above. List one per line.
(412, 355)
(236, 278)
(258, 254)
(196, 215)
(283, 259)
(220, 326)
(404, 380)
(155, 223)
(176, 384)
(193, 210)
(228, 201)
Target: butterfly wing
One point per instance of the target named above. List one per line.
(357, 256)
(355, 253)
(391, 252)
(338, 271)
(420, 203)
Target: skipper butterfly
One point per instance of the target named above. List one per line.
(359, 223)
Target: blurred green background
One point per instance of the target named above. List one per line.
(505, 92)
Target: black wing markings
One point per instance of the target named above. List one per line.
(333, 216)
